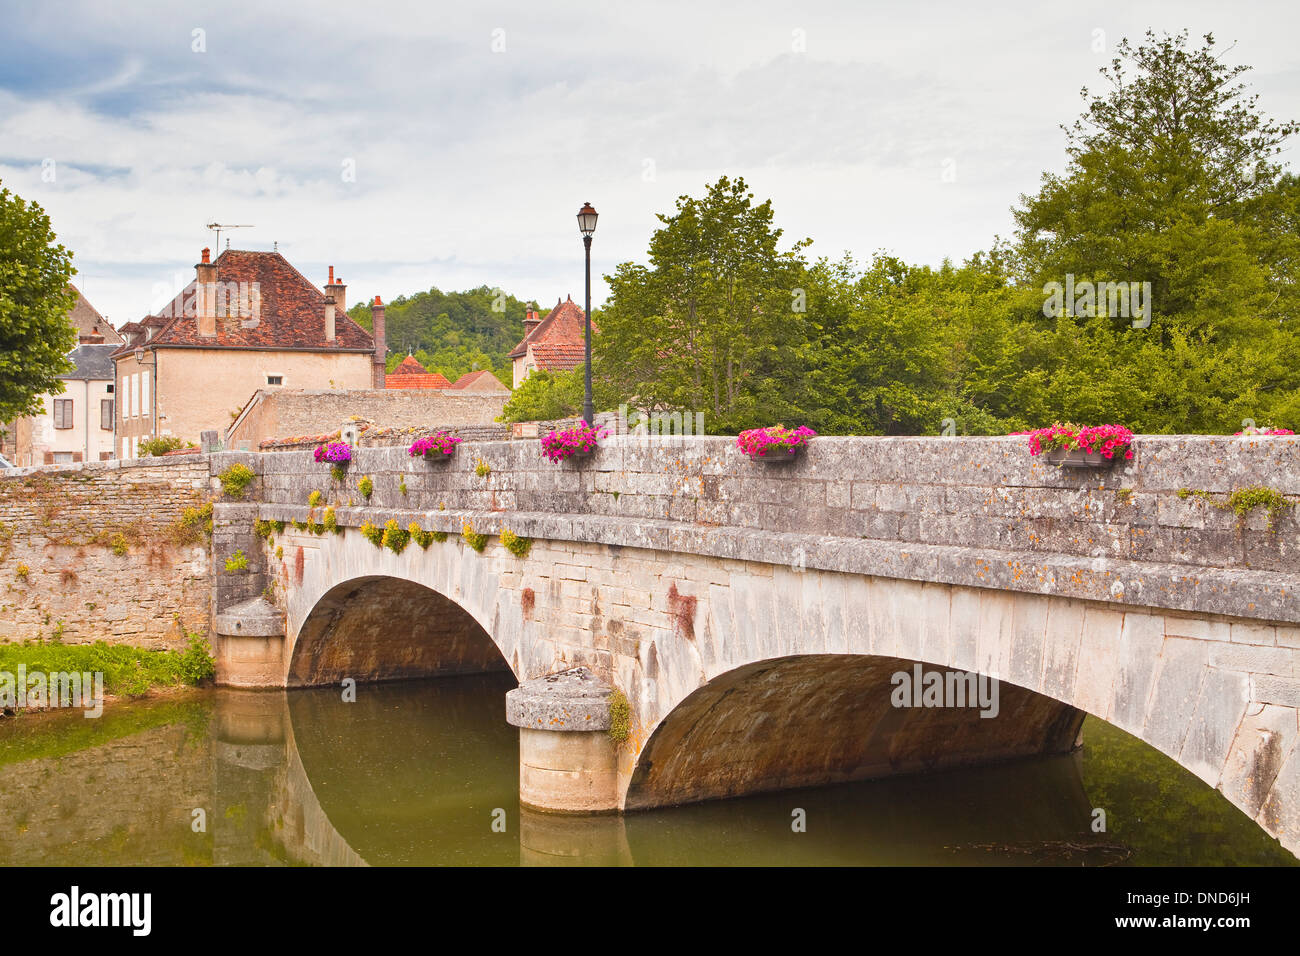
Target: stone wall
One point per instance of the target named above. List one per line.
(1155, 531)
(283, 413)
(61, 531)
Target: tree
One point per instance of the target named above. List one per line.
(714, 323)
(1172, 181)
(546, 396)
(35, 299)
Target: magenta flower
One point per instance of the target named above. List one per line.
(335, 452)
(435, 445)
(1106, 440)
(559, 445)
(778, 438)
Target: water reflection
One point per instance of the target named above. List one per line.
(427, 773)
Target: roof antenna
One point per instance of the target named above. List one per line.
(218, 226)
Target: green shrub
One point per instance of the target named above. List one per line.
(482, 468)
(420, 536)
(395, 538)
(338, 473)
(314, 499)
(515, 544)
(237, 562)
(331, 522)
(128, 671)
(236, 479)
(366, 487)
(439, 536)
(161, 445)
(299, 525)
(119, 544)
(196, 663)
(373, 534)
(22, 571)
(401, 486)
(279, 553)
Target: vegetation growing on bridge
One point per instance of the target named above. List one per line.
(472, 538)
(236, 479)
(395, 538)
(1244, 500)
(366, 487)
(314, 499)
(373, 533)
(620, 716)
(237, 562)
(517, 545)
(423, 538)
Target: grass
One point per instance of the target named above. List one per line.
(128, 671)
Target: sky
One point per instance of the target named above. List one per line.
(451, 145)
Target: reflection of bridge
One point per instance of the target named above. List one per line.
(753, 614)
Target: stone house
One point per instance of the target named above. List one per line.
(248, 321)
(76, 425)
(553, 344)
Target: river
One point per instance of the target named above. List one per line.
(426, 772)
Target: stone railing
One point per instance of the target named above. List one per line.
(1157, 530)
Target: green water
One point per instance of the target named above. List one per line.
(425, 772)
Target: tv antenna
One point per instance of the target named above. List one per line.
(218, 226)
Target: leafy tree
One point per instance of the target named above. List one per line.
(35, 334)
(546, 396)
(1172, 180)
(712, 324)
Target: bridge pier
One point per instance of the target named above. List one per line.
(567, 760)
(249, 648)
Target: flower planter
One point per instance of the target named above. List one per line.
(437, 456)
(773, 455)
(1078, 458)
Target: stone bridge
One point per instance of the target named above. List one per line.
(688, 624)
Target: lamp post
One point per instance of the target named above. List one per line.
(587, 225)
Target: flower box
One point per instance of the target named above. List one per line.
(577, 442)
(1074, 446)
(775, 444)
(1078, 458)
(440, 446)
(775, 453)
(335, 453)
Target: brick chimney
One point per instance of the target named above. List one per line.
(338, 290)
(329, 318)
(205, 295)
(381, 346)
(531, 321)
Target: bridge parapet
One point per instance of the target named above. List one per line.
(1158, 530)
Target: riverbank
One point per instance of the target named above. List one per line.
(110, 672)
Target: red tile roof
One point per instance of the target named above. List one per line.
(558, 341)
(411, 374)
(470, 378)
(291, 313)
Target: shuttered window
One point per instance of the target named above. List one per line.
(63, 413)
(106, 414)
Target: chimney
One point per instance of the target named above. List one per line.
(338, 290)
(531, 321)
(329, 318)
(90, 338)
(205, 295)
(381, 346)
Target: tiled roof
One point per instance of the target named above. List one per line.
(87, 320)
(411, 374)
(291, 313)
(471, 378)
(558, 341)
(93, 363)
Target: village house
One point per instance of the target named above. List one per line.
(76, 425)
(249, 321)
(553, 344)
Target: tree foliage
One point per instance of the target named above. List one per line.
(35, 299)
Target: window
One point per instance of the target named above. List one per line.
(64, 457)
(144, 393)
(132, 397)
(106, 413)
(109, 388)
(63, 413)
(275, 380)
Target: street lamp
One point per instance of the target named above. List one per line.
(587, 225)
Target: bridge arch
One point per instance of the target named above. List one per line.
(353, 610)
